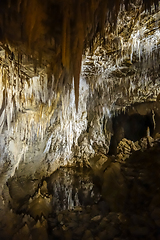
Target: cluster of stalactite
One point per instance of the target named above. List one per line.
(56, 32)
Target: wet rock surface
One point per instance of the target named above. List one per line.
(113, 198)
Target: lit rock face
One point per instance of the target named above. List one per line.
(40, 130)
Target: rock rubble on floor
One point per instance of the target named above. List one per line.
(114, 198)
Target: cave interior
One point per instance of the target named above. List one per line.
(79, 119)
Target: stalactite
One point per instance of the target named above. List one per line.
(19, 5)
(71, 25)
(78, 49)
(64, 36)
(34, 15)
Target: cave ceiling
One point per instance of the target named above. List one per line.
(54, 34)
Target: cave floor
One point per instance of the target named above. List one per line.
(132, 211)
(120, 201)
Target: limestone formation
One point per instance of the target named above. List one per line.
(79, 119)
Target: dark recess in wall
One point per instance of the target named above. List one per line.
(133, 127)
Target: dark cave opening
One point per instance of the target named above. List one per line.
(132, 126)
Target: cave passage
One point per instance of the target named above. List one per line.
(134, 124)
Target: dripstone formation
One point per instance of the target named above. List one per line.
(79, 119)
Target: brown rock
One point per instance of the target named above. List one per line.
(156, 214)
(79, 231)
(87, 235)
(44, 189)
(60, 217)
(23, 233)
(155, 203)
(72, 224)
(67, 235)
(102, 235)
(114, 188)
(139, 231)
(39, 231)
(64, 228)
(56, 233)
(102, 224)
(85, 217)
(103, 207)
(78, 209)
(96, 218)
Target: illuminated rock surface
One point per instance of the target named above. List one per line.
(108, 186)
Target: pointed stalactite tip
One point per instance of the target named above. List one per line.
(76, 91)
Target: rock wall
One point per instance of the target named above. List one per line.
(41, 130)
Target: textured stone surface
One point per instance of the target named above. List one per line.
(74, 207)
(41, 131)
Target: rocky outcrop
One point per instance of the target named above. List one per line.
(40, 129)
